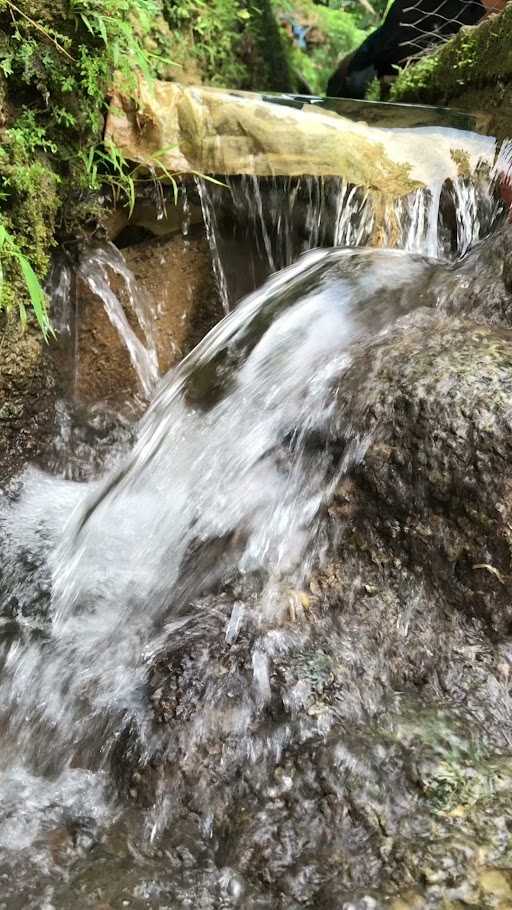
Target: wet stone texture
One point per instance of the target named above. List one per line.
(377, 770)
(27, 394)
(175, 275)
(434, 489)
(372, 767)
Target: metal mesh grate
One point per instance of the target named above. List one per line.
(423, 24)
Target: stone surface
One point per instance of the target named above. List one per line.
(26, 395)
(381, 769)
(209, 131)
(176, 277)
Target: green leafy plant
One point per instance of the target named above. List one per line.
(10, 250)
(59, 60)
(59, 63)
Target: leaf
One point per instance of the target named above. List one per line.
(210, 179)
(175, 190)
(130, 192)
(87, 23)
(23, 313)
(90, 157)
(36, 294)
(102, 29)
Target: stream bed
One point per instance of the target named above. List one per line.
(256, 646)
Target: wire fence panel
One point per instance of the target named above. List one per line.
(424, 24)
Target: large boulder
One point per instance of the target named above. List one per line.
(372, 766)
(434, 490)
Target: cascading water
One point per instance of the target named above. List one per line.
(278, 219)
(191, 561)
(222, 450)
(94, 269)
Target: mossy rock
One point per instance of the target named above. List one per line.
(471, 71)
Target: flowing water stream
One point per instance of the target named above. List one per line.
(181, 725)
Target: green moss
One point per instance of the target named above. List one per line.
(269, 68)
(229, 43)
(415, 81)
(29, 190)
(57, 66)
(330, 34)
(59, 60)
(374, 92)
(460, 157)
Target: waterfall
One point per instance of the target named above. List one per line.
(157, 618)
(94, 269)
(278, 219)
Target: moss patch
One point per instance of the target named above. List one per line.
(26, 397)
(57, 64)
(327, 35)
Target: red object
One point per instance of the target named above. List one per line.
(505, 186)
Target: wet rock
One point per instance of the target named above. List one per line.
(173, 125)
(350, 747)
(480, 287)
(27, 389)
(378, 771)
(433, 492)
(176, 277)
(496, 883)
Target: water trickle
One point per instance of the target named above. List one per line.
(94, 269)
(278, 219)
(59, 291)
(212, 234)
(231, 426)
